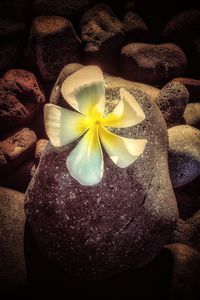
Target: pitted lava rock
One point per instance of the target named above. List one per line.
(122, 222)
(20, 98)
(172, 102)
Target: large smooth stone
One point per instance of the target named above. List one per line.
(184, 154)
(120, 223)
(12, 220)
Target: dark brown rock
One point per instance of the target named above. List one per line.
(12, 219)
(152, 63)
(186, 272)
(11, 34)
(187, 204)
(66, 8)
(188, 232)
(183, 27)
(192, 115)
(193, 87)
(16, 148)
(134, 27)
(20, 177)
(102, 35)
(40, 146)
(106, 230)
(53, 43)
(184, 154)
(20, 98)
(172, 102)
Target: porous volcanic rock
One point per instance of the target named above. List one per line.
(193, 87)
(11, 34)
(186, 272)
(12, 219)
(20, 98)
(134, 27)
(152, 63)
(102, 35)
(53, 43)
(122, 222)
(184, 154)
(17, 147)
(188, 231)
(192, 115)
(172, 102)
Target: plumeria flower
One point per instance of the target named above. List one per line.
(84, 91)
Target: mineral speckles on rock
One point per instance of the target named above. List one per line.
(151, 63)
(184, 154)
(106, 227)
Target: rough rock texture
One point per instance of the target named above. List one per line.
(66, 8)
(182, 27)
(53, 43)
(152, 63)
(40, 146)
(134, 27)
(12, 219)
(17, 147)
(193, 87)
(184, 154)
(192, 115)
(111, 82)
(188, 232)
(172, 102)
(94, 232)
(102, 35)
(187, 204)
(11, 34)
(186, 272)
(20, 98)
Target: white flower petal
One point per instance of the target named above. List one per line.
(85, 162)
(122, 151)
(126, 114)
(63, 126)
(84, 91)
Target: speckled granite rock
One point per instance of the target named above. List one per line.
(20, 98)
(192, 115)
(122, 222)
(12, 219)
(172, 102)
(152, 63)
(40, 146)
(15, 148)
(188, 232)
(134, 27)
(186, 272)
(11, 34)
(110, 81)
(184, 154)
(193, 87)
(102, 35)
(43, 51)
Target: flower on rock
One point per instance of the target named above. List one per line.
(84, 91)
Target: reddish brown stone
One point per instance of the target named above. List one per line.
(20, 98)
(193, 86)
